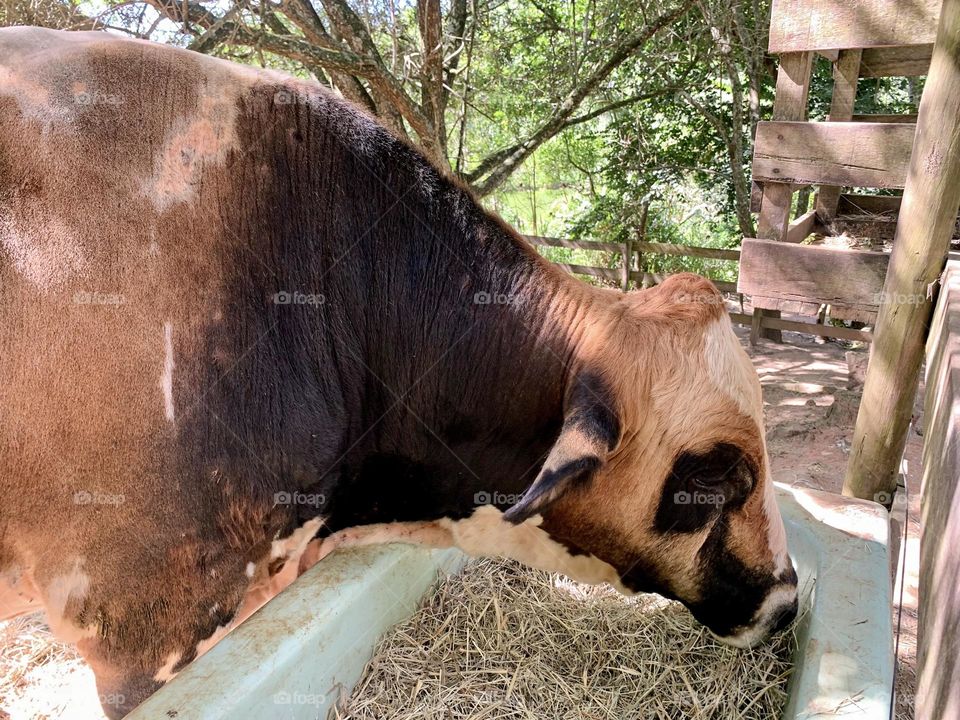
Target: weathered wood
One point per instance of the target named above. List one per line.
(800, 229)
(844, 153)
(901, 119)
(802, 327)
(927, 216)
(790, 103)
(938, 646)
(688, 251)
(777, 274)
(756, 196)
(907, 61)
(592, 271)
(846, 71)
(797, 25)
(756, 325)
(871, 216)
(842, 333)
(573, 244)
(649, 279)
(853, 204)
(875, 228)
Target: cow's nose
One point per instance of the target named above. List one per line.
(786, 616)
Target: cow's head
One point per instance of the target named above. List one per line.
(661, 468)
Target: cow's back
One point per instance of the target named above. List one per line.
(137, 336)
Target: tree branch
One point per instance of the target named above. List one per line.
(501, 170)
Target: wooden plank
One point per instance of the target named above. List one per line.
(574, 244)
(854, 204)
(800, 229)
(878, 228)
(651, 279)
(811, 274)
(756, 325)
(756, 196)
(903, 119)
(592, 271)
(846, 154)
(687, 251)
(860, 312)
(790, 103)
(938, 646)
(842, 333)
(908, 61)
(797, 25)
(846, 72)
(928, 215)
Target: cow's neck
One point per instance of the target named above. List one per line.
(466, 371)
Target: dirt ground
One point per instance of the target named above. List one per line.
(810, 413)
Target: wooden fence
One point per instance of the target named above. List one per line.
(938, 656)
(626, 273)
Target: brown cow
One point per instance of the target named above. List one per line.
(237, 315)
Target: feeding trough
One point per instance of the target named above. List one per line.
(308, 647)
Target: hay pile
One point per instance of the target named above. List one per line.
(42, 678)
(504, 641)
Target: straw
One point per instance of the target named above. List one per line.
(503, 641)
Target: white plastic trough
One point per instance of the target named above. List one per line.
(295, 657)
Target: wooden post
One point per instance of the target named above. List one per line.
(627, 254)
(790, 103)
(846, 73)
(927, 217)
(642, 237)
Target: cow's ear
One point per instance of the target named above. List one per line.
(591, 430)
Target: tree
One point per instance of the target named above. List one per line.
(421, 67)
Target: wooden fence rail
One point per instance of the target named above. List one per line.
(626, 273)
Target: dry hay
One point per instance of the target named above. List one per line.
(42, 678)
(503, 641)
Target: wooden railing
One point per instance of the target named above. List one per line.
(635, 248)
(625, 274)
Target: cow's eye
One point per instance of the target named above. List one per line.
(709, 480)
(701, 485)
